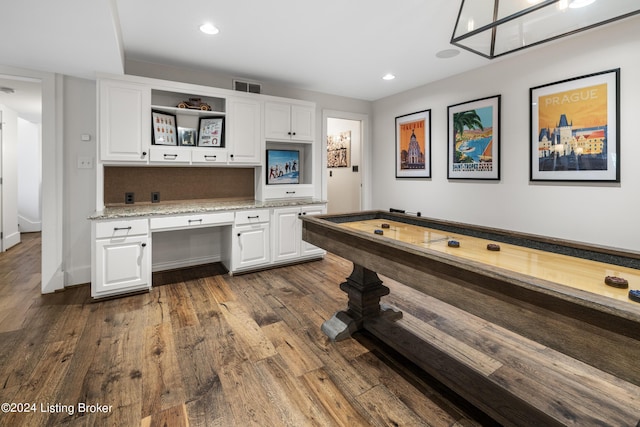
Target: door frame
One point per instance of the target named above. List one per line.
(52, 276)
(365, 170)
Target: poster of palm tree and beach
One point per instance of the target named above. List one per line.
(473, 151)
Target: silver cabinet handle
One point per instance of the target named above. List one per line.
(171, 156)
(195, 220)
(210, 158)
(121, 228)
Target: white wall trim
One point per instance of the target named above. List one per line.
(28, 226)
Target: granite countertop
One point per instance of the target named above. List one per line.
(193, 206)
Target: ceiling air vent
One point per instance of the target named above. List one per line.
(246, 86)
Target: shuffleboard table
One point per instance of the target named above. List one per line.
(549, 290)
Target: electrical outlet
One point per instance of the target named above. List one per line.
(85, 162)
(155, 197)
(129, 198)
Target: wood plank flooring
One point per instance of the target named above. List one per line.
(203, 349)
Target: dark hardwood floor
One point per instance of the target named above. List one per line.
(202, 349)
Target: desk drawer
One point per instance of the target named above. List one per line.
(121, 228)
(254, 216)
(170, 155)
(191, 221)
(208, 155)
(288, 191)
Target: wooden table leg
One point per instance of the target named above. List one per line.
(364, 289)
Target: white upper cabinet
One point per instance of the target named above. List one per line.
(244, 125)
(124, 121)
(289, 122)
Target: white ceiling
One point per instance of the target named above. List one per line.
(332, 46)
(340, 47)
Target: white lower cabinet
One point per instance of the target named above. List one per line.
(250, 246)
(250, 240)
(121, 257)
(287, 234)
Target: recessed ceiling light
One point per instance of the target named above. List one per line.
(388, 76)
(448, 53)
(209, 28)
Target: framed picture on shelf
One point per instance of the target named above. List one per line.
(164, 128)
(574, 129)
(413, 145)
(211, 132)
(283, 167)
(187, 136)
(473, 150)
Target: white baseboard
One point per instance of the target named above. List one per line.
(172, 265)
(77, 276)
(27, 226)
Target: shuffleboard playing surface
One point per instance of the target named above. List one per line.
(566, 270)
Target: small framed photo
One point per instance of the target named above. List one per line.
(413, 145)
(187, 136)
(164, 128)
(473, 151)
(211, 132)
(574, 129)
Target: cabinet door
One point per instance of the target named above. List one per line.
(302, 120)
(277, 121)
(250, 246)
(307, 249)
(124, 120)
(245, 129)
(122, 265)
(286, 230)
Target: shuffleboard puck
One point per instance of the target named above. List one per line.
(380, 232)
(385, 225)
(616, 282)
(493, 247)
(634, 295)
(453, 244)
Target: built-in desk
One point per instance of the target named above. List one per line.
(122, 237)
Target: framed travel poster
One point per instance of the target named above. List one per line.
(164, 128)
(211, 132)
(413, 145)
(474, 139)
(574, 129)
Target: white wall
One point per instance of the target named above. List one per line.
(79, 184)
(9, 169)
(603, 214)
(29, 176)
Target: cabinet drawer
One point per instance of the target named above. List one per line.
(191, 221)
(288, 191)
(121, 228)
(208, 155)
(170, 155)
(254, 216)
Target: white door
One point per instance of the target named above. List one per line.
(9, 148)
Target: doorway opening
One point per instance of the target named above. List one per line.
(345, 137)
(20, 158)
